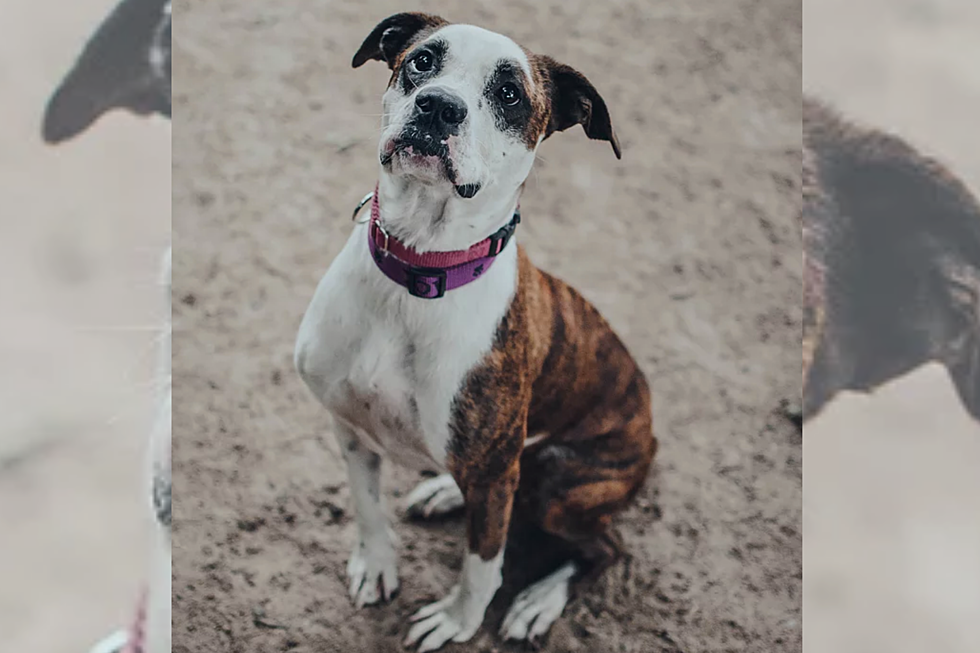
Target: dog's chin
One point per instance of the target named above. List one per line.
(406, 159)
(427, 167)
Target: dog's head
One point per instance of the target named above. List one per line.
(468, 107)
(125, 65)
(893, 258)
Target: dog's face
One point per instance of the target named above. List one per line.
(468, 107)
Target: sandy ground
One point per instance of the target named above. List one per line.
(81, 233)
(892, 495)
(690, 247)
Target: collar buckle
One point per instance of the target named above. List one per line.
(376, 225)
(500, 238)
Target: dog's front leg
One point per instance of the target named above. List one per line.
(458, 616)
(372, 567)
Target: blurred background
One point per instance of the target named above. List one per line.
(892, 493)
(82, 230)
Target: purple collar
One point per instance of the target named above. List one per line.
(430, 275)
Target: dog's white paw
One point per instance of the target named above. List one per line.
(538, 606)
(444, 620)
(372, 571)
(435, 496)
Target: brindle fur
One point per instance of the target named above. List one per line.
(559, 371)
(892, 263)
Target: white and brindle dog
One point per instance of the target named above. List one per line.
(434, 341)
(126, 65)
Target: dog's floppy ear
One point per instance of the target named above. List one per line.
(392, 36)
(574, 101)
(114, 70)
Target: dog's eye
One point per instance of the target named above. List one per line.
(422, 62)
(509, 94)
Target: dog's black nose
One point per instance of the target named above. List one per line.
(440, 111)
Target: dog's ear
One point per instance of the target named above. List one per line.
(574, 101)
(113, 71)
(392, 36)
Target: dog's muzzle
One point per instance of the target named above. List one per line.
(438, 113)
(437, 116)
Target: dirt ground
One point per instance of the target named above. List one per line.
(82, 228)
(689, 246)
(892, 510)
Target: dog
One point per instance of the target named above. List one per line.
(433, 340)
(126, 64)
(891, 263)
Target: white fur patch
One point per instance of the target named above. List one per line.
(537, 607)
(458, 616)
(390, 364)
(372, 570)
(435, 496)
(534, 439)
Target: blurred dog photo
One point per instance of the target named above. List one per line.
(126, 65)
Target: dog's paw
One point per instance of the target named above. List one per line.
(434, 497)
(372, 571)
(538, 606)
(444, 620)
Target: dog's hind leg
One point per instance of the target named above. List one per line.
(536, 608)
(539, 605)
(571, 489)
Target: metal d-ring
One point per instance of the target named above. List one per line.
(360, 205)
(384, 248)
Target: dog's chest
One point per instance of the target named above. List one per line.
(389, 365)
(377, 392)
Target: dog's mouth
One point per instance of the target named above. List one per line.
(420, 150)
(424, 152)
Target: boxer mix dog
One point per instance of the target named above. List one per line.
(891, 263)
(126, 65)
(432, 339)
